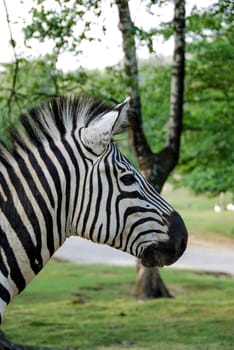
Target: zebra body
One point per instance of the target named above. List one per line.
(64, 176)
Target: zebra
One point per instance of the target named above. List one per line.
(63, 175)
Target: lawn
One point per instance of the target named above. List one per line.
(91, 307)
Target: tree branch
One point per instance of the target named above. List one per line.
(155, 166)
(177, 82)
(16, 65)
(126, 26)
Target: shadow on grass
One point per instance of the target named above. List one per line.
(7, 345)
(40, 348)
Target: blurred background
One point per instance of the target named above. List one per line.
(174, 59)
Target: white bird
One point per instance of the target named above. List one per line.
(217, 208)
(230, 207)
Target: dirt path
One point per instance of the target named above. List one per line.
(199, 255)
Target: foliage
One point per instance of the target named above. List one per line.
(215, 20)
(37, 81)
(207, 157)
(109, 84)
(155, 92)
(59, 21)
(89, 307)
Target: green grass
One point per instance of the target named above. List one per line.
(91, 307)
(199, 215)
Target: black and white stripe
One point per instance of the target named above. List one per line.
(65, 176)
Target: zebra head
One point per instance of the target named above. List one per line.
(64, 175)
(120, 208)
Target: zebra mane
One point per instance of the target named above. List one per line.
(56, 118)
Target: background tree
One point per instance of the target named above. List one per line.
(155, 166)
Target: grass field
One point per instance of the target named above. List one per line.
(91, 307)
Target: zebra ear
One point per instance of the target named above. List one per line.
(122, 120)
(98, 134)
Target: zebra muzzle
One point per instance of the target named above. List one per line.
(159, 255)
(150, 256)
(167, 252)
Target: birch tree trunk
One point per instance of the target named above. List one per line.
(156, 167)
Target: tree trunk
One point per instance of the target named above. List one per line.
(222, 201)
(149, 284)
(156, 167)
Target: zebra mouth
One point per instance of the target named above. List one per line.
(151, 256)
(158, 254)
(167, 252)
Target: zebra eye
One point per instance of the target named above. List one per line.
(128, 179)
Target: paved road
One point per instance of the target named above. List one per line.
(81, 251)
